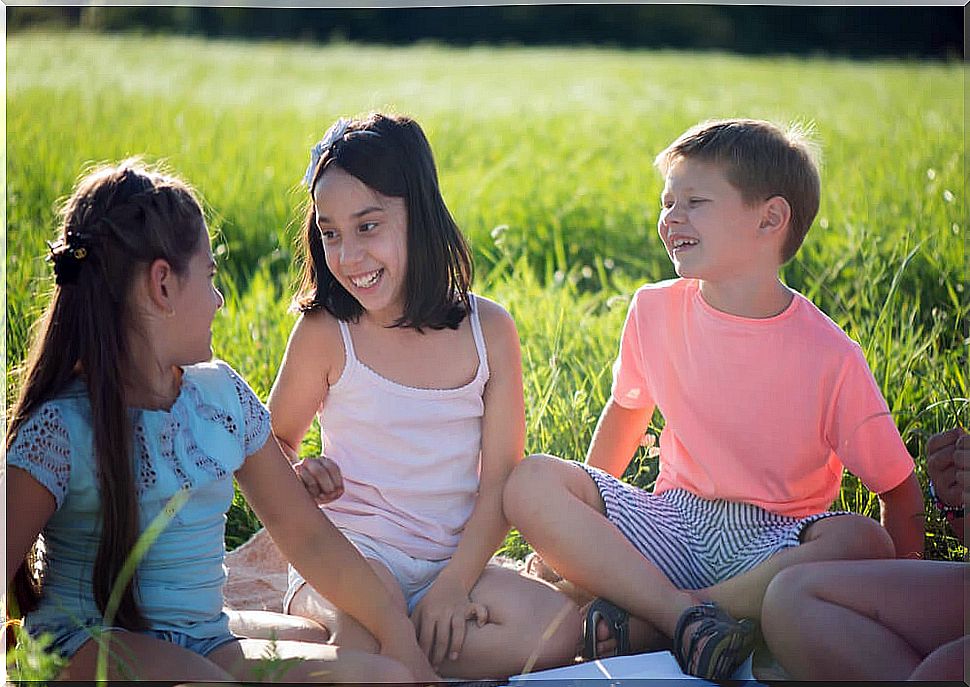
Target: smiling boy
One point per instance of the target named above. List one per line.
(764, 399)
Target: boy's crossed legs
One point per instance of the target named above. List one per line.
(559, 509)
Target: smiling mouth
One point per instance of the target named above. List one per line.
(683, 243)
(367, 280)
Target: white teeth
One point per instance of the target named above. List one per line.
(367, 280)
(684, 242)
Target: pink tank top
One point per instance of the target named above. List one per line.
(410, 457)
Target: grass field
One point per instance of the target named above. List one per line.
(545, 161)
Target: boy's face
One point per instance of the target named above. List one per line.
(709, 232)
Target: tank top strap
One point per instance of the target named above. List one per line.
(479, 337)
(349, 354)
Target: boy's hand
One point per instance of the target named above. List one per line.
(948, 465)
(321, 477)
(439, 619)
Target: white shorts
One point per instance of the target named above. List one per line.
(414, 575)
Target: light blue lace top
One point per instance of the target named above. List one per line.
(196, 445)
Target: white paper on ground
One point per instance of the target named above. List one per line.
(656, 665)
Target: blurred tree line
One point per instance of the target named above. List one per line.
(935, 32)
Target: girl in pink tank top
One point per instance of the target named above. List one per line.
(417, 386)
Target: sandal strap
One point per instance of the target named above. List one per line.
(717, 643)
(618, 621)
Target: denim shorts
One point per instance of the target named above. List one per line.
(69, 638)
(414, 575)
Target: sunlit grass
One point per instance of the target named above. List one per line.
(545, 157)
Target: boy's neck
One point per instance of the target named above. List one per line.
(753, 298)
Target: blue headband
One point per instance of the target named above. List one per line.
(334, 133)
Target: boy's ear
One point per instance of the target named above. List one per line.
(775, 216)
(161, 283)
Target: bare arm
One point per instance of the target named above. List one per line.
(903, 517)
(323, 555)
(617, 436)
(503, 444)
(34, 505)
(302, 382)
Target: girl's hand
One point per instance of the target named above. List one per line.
(439, 618)
(321, 477)
(948, 465)
(402, 647)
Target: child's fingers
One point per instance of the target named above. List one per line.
(441, 641)
(306, 477)
(335, 475)
(458, 634)
(940, 459)
(323, 474)
(479, 612)
(425, 633)
(943, 439)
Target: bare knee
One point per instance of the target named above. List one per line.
(855, 536)
(529, 478)
(787, 594)
(947, 662)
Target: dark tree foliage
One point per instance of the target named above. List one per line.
(934, 32)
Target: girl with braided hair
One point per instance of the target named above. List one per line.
(125, 424)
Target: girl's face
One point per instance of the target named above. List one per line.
(364, 236)
(196, 300)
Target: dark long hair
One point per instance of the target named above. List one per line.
(123, 217)
(395, 160)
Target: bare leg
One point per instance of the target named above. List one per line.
(862, 620)
(531, 626)
(850, 536)
(346, 631)
(269, 625)
(949, 662)
(133, 656)
(558, 509)
(259, 660)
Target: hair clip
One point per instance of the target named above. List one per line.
(333, 134)
(67, 254)
(337, 132)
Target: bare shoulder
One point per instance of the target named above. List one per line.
(500, 333)
(496, 321)
(315, 341)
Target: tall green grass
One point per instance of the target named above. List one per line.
(545, 161)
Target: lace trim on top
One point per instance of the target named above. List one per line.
(145, 476)
(43, 448)
(255, 414)
(43, 445)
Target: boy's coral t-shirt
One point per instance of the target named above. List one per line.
(766, 411)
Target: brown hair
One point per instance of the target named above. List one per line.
(394, 158)
(760, 160)
(123, 217)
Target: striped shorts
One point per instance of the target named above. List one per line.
(694, 541)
